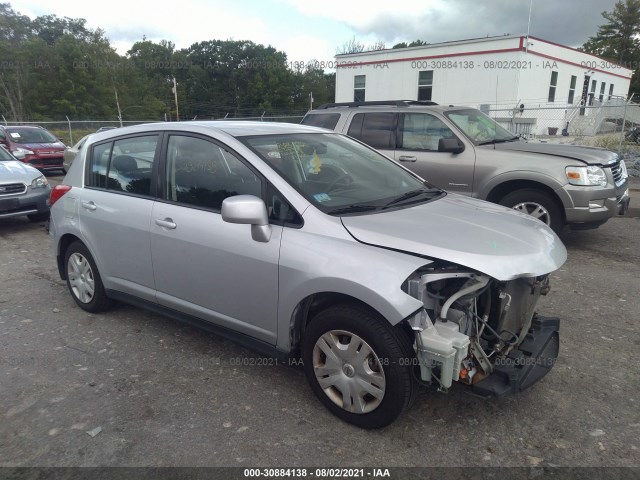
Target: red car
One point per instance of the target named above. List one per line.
(34, 145)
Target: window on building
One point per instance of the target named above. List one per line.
(572, 89)
(610, 90)
(602, 87)
(425, 85)
(592, 93)
(359, 82)
(552, 86)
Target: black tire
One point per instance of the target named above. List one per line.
(82, 273)
(392, 371)
(529, 200)
(38, 217)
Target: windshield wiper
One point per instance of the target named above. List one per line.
(352, 209)
(411, 194)
(500, 140)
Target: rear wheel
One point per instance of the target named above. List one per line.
(358, 365)
(83, 279)
(536, 203)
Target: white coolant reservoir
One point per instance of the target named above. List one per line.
(442, 346)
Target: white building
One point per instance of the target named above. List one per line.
(513, 76)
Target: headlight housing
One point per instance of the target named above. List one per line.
(623, 170)
(40, 182)
(20, 153)
(586, 176)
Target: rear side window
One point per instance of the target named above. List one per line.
(322, 120)
(124, 165)
(375, 129)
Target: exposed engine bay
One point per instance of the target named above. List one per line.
(480, 331)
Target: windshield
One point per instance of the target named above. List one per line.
(479, 128)
(30, 135)
(340, 175)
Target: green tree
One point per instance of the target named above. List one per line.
(15, 32)
(415, 43)
(617, 40)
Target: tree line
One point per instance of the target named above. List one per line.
(52, 68)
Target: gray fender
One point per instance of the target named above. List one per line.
(311, 265)
(524, 175)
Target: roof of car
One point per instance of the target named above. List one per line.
(385, 106)
(234, 128)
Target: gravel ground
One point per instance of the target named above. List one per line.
(131, 388)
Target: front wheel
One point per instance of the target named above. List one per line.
(83, 279)
(536, 203)
(358, 365)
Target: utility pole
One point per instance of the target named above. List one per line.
(526, 47)
(175, 97)
(118, 105)
(311, 101)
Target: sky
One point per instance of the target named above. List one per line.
(315, 29)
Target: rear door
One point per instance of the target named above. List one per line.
(115, 211)
(203, 265)
(419, 136)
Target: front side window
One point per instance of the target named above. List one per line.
(421, 131)
(425, 85)
(376, 129)
(359, 84)
(552, 86)
(337, 174)
(479, 128)
(202, 174)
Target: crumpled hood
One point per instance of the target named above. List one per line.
(588, 155)
(489, 238)
(14, 172)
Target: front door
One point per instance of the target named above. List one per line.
(419, 137)
(203, 265)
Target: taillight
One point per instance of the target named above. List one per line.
(57, 192)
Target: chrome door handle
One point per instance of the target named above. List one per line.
(166, 223)
(404, 158)
(89, 205)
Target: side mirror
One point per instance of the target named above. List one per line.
(248, 210)
(451, 145)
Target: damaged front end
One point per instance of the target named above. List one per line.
(480, 331)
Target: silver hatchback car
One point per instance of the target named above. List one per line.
(306, 244)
